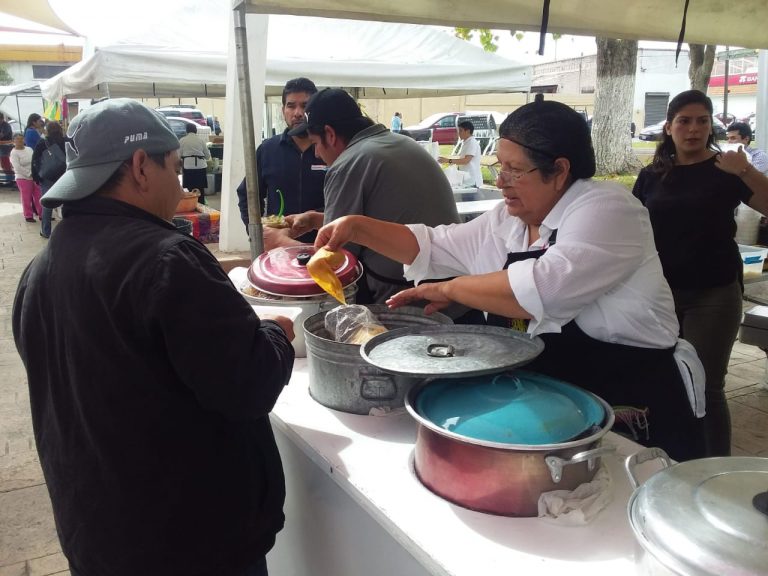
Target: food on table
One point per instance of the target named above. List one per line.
(365, 332)
(274, 221)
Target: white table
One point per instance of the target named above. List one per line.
(354, 507)
(465, 193)
(468, 210)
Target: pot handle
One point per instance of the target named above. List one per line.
(646, 455)
(556, 464)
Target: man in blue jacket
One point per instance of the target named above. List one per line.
(158, 454)
(290, 175)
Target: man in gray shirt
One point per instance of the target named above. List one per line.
(373, 172)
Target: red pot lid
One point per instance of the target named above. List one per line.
(283, 271)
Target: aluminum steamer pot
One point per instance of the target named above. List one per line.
(280, 278)
(494, 477)
(339, 378)
(705, 517)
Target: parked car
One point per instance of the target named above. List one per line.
(655, 132)
(184, 111)
(726, 119)
(179, 127)
(440, 128)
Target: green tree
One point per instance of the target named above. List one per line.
(487, 39)
(5, 78)
(614, 95)
(702, 59)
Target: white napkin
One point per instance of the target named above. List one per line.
(580, 506)
(692, 371)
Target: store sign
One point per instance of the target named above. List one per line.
(734, 80)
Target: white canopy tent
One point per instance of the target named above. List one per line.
(381, 59)
(38, 11)
(707, 21)
(695, 21)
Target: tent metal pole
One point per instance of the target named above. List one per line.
(255, 230)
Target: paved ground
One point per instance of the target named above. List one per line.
(28, 542)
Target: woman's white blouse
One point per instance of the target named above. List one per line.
(603, 269)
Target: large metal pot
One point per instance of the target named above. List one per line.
(705, 517)
(339, 378)
(280, 278)
(489, 476)
(500, 478)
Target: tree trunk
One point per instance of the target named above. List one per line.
(614, 97)
(702, 58)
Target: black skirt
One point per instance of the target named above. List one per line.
(195, 178)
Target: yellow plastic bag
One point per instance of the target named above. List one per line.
(322, 268)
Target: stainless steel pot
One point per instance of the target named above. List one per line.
(339, 378)
(703, 517)
(502, 479)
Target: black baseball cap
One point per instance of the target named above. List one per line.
(330, 106)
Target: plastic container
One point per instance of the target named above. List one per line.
(753, 258)
(747, 225)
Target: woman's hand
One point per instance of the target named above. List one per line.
(733, 162)
(434, 292)
(336, 234)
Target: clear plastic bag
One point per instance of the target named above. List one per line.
(352, 324)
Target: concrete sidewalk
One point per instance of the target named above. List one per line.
(28, 541)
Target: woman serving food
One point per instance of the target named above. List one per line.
(565, 258)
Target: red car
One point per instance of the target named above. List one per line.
(441, 127)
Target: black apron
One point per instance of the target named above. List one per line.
(635, 381)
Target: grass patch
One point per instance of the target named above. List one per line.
(627, 180)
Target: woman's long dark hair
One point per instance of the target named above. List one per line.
(32, 118)
(664, 158)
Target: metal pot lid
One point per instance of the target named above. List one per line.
(450, 351)
(517, 407)
(702, 516)
(283, 271)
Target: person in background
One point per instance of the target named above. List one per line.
(6, 144)
(6, 132)
(288, 167)
(469, 154)
(372, 172)
(54, 138)
(397, 123)
(741, 133)
(159, 460)
(691, 190)
(33, 131)
(564, 257)
(216, 126)
(21, 159)
(194, 156)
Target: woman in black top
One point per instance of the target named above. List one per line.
(692, 190)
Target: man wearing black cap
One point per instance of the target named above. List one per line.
(373, 172)
(290, 174)
(159, 459)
